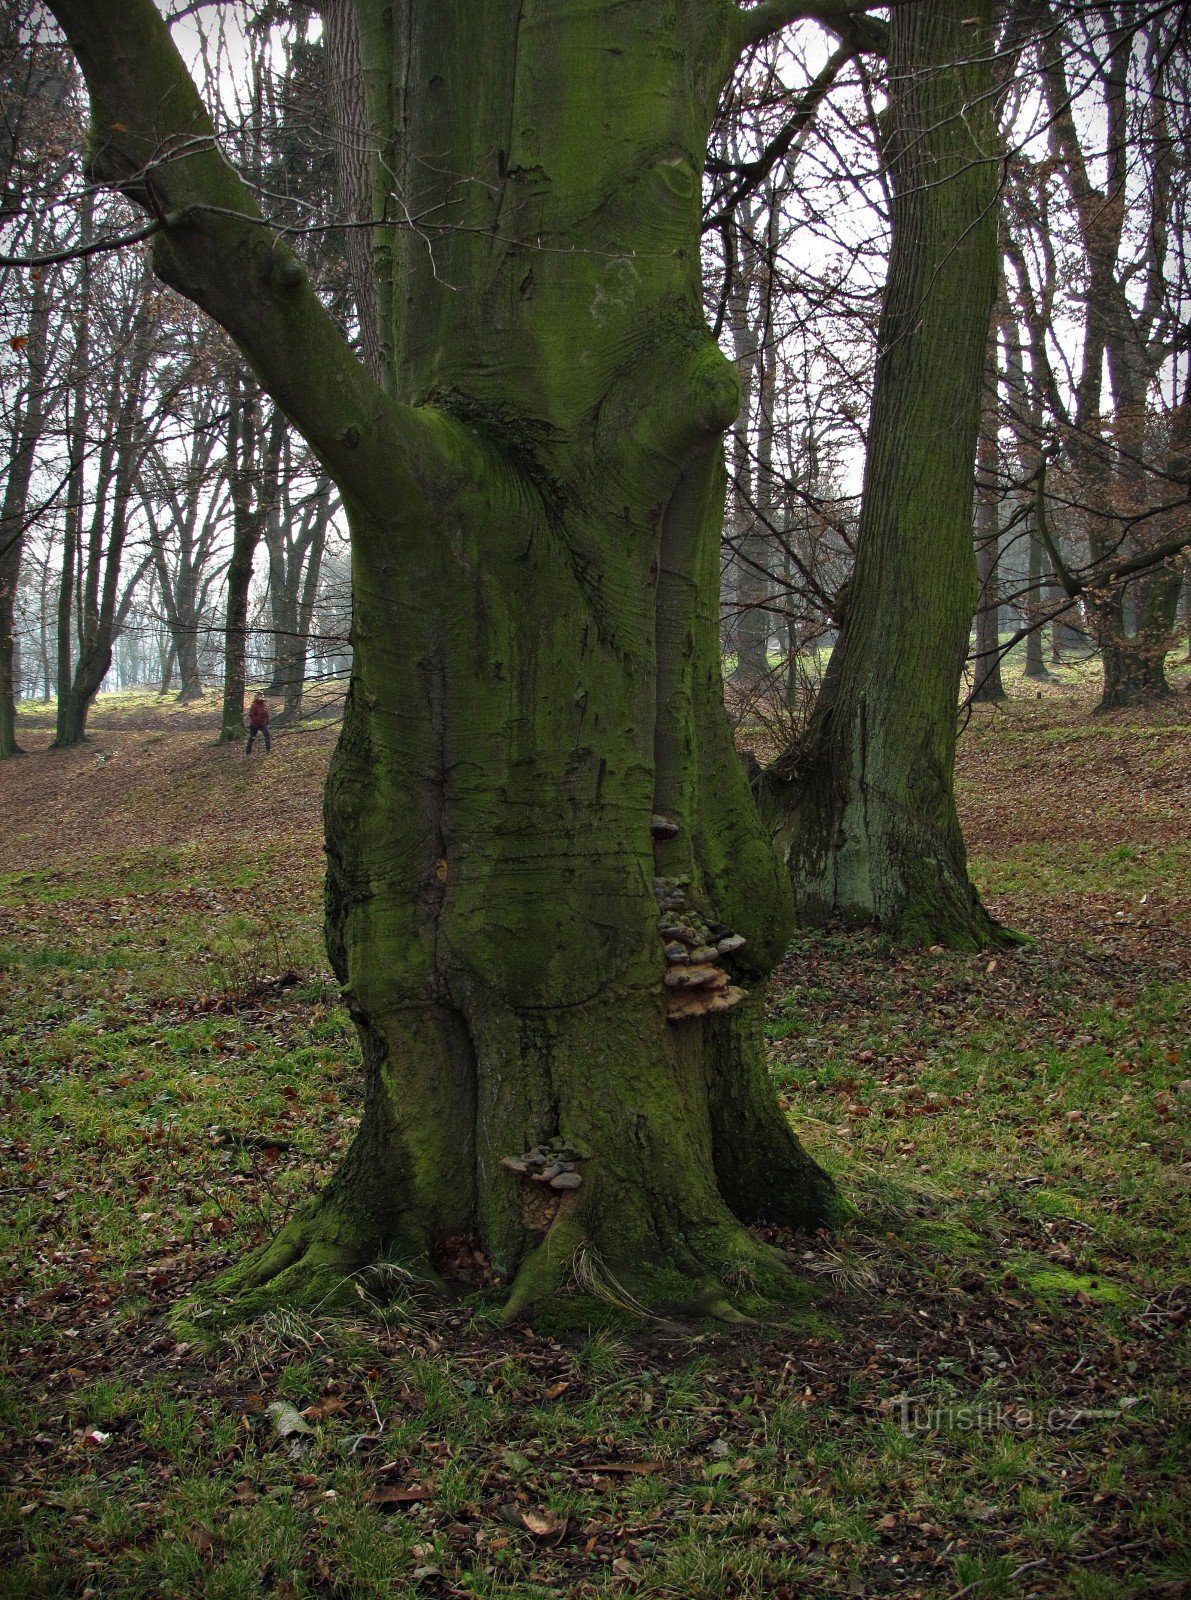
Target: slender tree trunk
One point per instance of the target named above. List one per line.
(254, 459)
(1035, 666)
(986, 668)
(755, 589)
(873, 835)
(101, 612)
(26, 435)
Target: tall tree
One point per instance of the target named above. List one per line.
(26, 426)
(105, 462)
(986, 665)
(34, 127)
(1134, 67)
(534, 492)
(295, 540)
(184, 496)
(254, 462)
(873, 833)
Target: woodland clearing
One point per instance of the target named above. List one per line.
(984, 1393)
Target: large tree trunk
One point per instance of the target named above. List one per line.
(874, 835)
(535, 527)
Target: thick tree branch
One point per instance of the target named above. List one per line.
(849, 22)
(152, 138)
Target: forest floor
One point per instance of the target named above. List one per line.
(984, 1395)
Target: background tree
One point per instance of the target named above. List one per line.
(873, 833)
(295, 540)
(1116, 85)
(34, 130)
(185, 500)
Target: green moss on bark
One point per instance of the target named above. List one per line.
(534, 494)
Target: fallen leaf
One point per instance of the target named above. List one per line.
(288, 1419)
(544, 1525)
(383, 1496)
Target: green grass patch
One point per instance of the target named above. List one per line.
(982, 1377)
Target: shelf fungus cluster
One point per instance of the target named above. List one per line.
(554, 1165)
(549, 1176)
(696, 984)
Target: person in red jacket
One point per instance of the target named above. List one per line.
(258, 722)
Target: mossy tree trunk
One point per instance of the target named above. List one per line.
(534, 494)
(873, 834)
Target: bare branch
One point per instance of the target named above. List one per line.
(850, 23)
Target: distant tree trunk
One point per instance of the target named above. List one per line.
(741, 494)
(873, 834)
(295, 541)
(755, 587)
(191, 511)
(986, 668)
(104, 605)
(1140, 675)
(1120, 334)
(1035, 666)
(76, 445)
(1135, 665)
(25, 436)
(254, 462)
(310, 547)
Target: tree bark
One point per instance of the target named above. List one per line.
(27, 428)
(1034, 607)
(873, 834)
(254, 459)
(987, 687)
(535, 516)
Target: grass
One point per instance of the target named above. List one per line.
(986, 1396)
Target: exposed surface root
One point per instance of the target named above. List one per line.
(314, 1264)
(546, 1268)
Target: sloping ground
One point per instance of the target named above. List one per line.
(154, 786)
(983, 1396)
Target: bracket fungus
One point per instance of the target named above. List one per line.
(554, 1165)
(695, 984)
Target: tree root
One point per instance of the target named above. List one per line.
(546, 1267)
(314, 1264)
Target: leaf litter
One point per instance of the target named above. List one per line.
(983, 1399)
